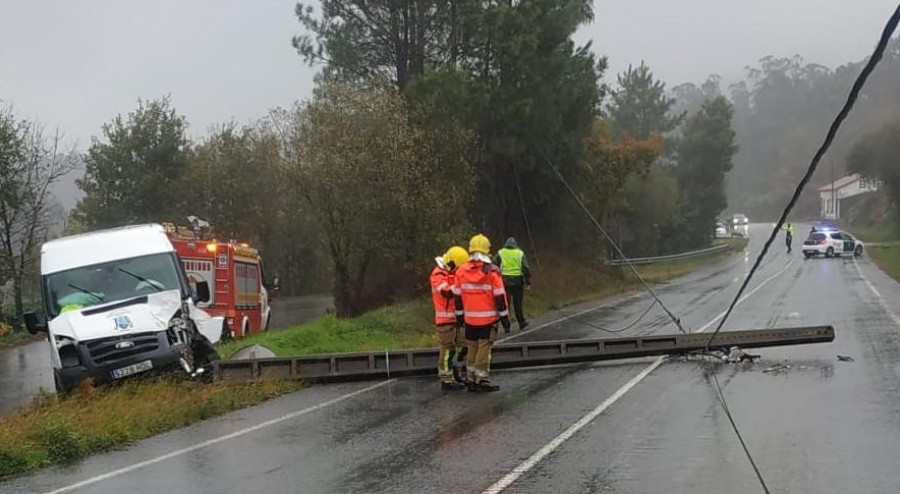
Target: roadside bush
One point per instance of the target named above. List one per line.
(61, 441)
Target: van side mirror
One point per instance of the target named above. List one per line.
(33, 324)
(202, 295)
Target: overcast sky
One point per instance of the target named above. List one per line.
(78, 63)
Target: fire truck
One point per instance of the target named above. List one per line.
(234, 272)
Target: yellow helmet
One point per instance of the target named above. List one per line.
(455, 257)
(480, 243)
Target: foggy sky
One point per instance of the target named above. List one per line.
(78, 63)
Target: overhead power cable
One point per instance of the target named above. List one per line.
(619, 330)
(673, 317)
(873, 61)
(832, 132)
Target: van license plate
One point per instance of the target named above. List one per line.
(131, 369)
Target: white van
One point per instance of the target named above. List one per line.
(118, 304)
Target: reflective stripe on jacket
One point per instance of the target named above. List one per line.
(442, 296)
(479, 294)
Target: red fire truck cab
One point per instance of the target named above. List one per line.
(234, 272)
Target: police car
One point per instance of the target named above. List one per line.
(831, 243)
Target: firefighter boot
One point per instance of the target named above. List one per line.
(485, 386)
(451, 386)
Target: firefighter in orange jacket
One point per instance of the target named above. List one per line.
(448, 333)
(480, 302)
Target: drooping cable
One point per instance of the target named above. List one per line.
(832, 132)
(873, 61)
(672, 316)
(537, 259)
(619, 330)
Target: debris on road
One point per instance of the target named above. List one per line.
(736, 355)
(777, 368)
(845, 358)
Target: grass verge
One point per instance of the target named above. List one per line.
(557, 283)
(92, 420)
(9, 338)
(886, 254)
(887, 257)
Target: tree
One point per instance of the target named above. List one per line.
(232, 180)
(689, 97)
(519, 82)
(384, 200)
(134, 176)
(31, 162)
(541, 96)
(704, 157)
(875, 155)
(393, 40)
(640, 105)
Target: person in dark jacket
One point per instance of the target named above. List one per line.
(516, 276)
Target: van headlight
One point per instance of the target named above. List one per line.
(178, 329)
(68, 351)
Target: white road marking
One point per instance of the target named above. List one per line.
(204, 444)
(557, 441)
(746, 296)
(881, 300)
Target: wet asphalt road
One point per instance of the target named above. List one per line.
(25, 369)
(821, 426)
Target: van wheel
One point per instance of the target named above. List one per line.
(204, 356)
(807, 255)
(829, 252)
(57, 383)
(858, 251)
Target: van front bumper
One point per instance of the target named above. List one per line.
(100, 359)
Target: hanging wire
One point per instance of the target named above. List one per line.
(832, 132)
(886, 34)
(619, 330)
(675, 319)
(537, 260)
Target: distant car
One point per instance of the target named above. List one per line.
(831, 243)
(739, 219)
(721, 230)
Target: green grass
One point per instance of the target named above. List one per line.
(886, 233)
(404, 325)
(9, 338)
(93, 420)
(557, 283)
(887, 257)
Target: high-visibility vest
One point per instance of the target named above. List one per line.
(478, 288)
(511, 261)
(442, 283)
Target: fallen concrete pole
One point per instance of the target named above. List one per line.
(395, 363)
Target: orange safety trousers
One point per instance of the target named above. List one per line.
(479, 341)
(450, 346)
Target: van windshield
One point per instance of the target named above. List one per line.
(111, 281)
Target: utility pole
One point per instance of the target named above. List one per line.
(833, 196)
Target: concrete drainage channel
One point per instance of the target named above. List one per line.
(256, 362)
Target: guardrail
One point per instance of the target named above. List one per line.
(423, 361)
(671, 257)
